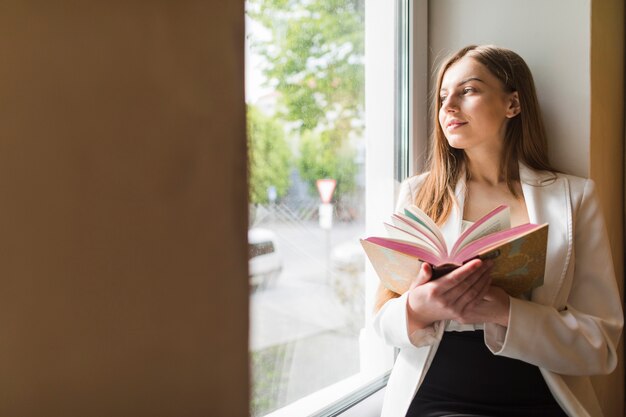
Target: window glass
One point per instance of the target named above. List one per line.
(311, 290)
(305, 107)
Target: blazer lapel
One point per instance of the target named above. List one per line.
(548, 201)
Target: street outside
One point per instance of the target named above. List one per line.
(304, 325)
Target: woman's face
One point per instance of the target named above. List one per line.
(474, 107)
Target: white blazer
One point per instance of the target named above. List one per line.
(571, 326)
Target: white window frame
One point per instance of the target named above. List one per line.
(382, 182)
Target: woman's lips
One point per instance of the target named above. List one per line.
(454, 125)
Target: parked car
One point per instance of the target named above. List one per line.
(265, 261)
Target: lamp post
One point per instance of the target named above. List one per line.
(326, 188)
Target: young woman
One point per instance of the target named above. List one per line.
(466, 347)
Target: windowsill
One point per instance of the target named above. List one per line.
(334, 397)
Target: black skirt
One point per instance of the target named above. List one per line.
(466, 379)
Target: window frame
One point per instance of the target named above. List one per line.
(401, 87)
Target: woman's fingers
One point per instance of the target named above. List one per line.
(469, 285)
(492, 308)
(486, 285)
(475, 292)
(423, 276)
(448, 296)
(462, 278)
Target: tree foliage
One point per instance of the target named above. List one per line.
(314, 59)
(323, 156)
(269, 156)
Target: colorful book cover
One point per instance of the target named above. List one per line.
(519, 255)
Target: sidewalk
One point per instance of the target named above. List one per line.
(301, 336)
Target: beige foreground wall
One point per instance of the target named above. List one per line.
(123, 257)
(606, 159)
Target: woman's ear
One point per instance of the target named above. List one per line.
(514, 107)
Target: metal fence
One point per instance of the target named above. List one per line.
(303, 211)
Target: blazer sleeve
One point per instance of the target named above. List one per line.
(391, 321)
(581, 337)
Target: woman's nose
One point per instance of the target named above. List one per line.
(450, 104)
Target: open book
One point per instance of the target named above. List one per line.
(519, 253)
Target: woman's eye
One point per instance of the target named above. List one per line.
(442, 98)
(467, 90)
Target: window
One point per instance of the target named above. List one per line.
(318, 158)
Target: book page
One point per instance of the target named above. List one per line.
(416, 214)
(402, 234)
(492, 241)
(494, 221)
(418, 229)
(406, 248)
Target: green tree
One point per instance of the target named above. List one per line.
(269, 156)
(324, 156)
(314, 59)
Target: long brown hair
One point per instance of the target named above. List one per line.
(525, 137)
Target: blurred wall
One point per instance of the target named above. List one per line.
(123, 257)
(606, 155)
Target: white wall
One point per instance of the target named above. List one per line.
(553, 37)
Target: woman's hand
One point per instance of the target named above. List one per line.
(493, 308)
(464, 295)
